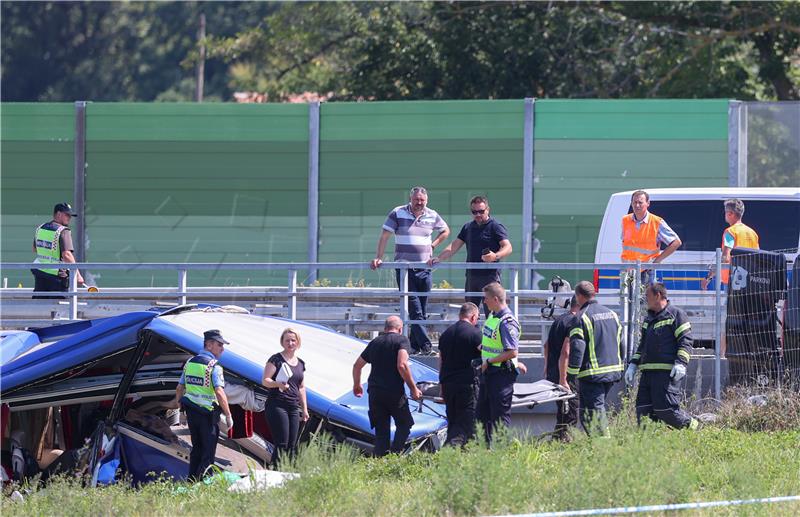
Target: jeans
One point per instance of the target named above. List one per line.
(419, 280)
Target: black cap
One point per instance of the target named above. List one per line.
(215, 335)
(64, 207)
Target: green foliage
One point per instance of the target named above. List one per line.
(635, 466)
(140, 51)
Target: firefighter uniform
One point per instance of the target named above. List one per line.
(595, 360)
(666, 340)
(501, 332)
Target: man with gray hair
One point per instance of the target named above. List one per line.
(736, 235)
(413, 225)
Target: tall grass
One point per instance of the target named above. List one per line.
(634, 466)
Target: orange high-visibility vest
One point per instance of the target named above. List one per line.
(640, 244)
(743, 237)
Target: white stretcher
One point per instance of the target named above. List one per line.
(526, 394)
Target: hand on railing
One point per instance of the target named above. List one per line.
(375, 264)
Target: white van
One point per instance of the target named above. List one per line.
(697, 216)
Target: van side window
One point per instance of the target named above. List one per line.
(700, 224)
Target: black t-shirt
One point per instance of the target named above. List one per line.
(559, 330)
(458, 346)
(290, 397)
(478, 237)
(381, 353)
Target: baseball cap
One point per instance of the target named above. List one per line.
(64, 207)
(215, 335)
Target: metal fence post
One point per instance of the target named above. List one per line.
(404, 299)
(527, 188)
(313, 187)
(73, 299)
(292, 295)
(635, 301)
(718, 325)
(182, 275)
(626, 313)
(515, 289)
(79, 181)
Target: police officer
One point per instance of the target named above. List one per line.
(499, 349)
(459, 345)
(595, 357)
(643, 233)
(52, 244)
(736, 235)
(556, 355)
(201, 392)
(388, 355)
(662, 356)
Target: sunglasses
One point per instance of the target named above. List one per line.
(419, 189)
(478, 212)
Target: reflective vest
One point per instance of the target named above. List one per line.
(48, 245)
(598, 333)
(197, 379)
(640, 244)
(492, 343)
(743, 237)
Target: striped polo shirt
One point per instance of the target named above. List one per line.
(412, 235)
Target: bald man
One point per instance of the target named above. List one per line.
(388, 355)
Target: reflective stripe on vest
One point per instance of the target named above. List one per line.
(743, 237)
(594, 364)
(197, 379)
(640, 244)
(48, 247)
(491, 344)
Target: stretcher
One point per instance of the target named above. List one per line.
(526, 394)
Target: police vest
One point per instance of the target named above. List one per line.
(491, 342)
(640, 244)
(48, 246)
(197, 379)
(743, 237)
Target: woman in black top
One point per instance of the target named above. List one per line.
(286, 398)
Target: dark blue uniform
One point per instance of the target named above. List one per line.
(595, 360)
(497, 382)
(666, 340)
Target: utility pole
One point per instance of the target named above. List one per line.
(201, 62)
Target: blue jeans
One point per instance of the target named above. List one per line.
(419, 280)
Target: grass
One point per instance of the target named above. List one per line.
(652, 465)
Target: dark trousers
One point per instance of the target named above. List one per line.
(204, 430)
(284, 424)
(494, 398)
(592, 397)
(567, 413)
(659, 399)
(49, 283)
(419, 280)
(460, 401)
(476, 281)
(383, 407)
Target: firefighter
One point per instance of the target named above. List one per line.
(595, 357)
(662, 356)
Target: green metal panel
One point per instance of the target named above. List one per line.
(196, 183)
(36, 164)
(585, 150)
(371, 154)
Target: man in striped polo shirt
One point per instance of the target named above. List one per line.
(413, 225)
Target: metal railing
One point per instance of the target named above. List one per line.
(390, 299)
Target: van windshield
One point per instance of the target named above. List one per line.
(700, 224)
